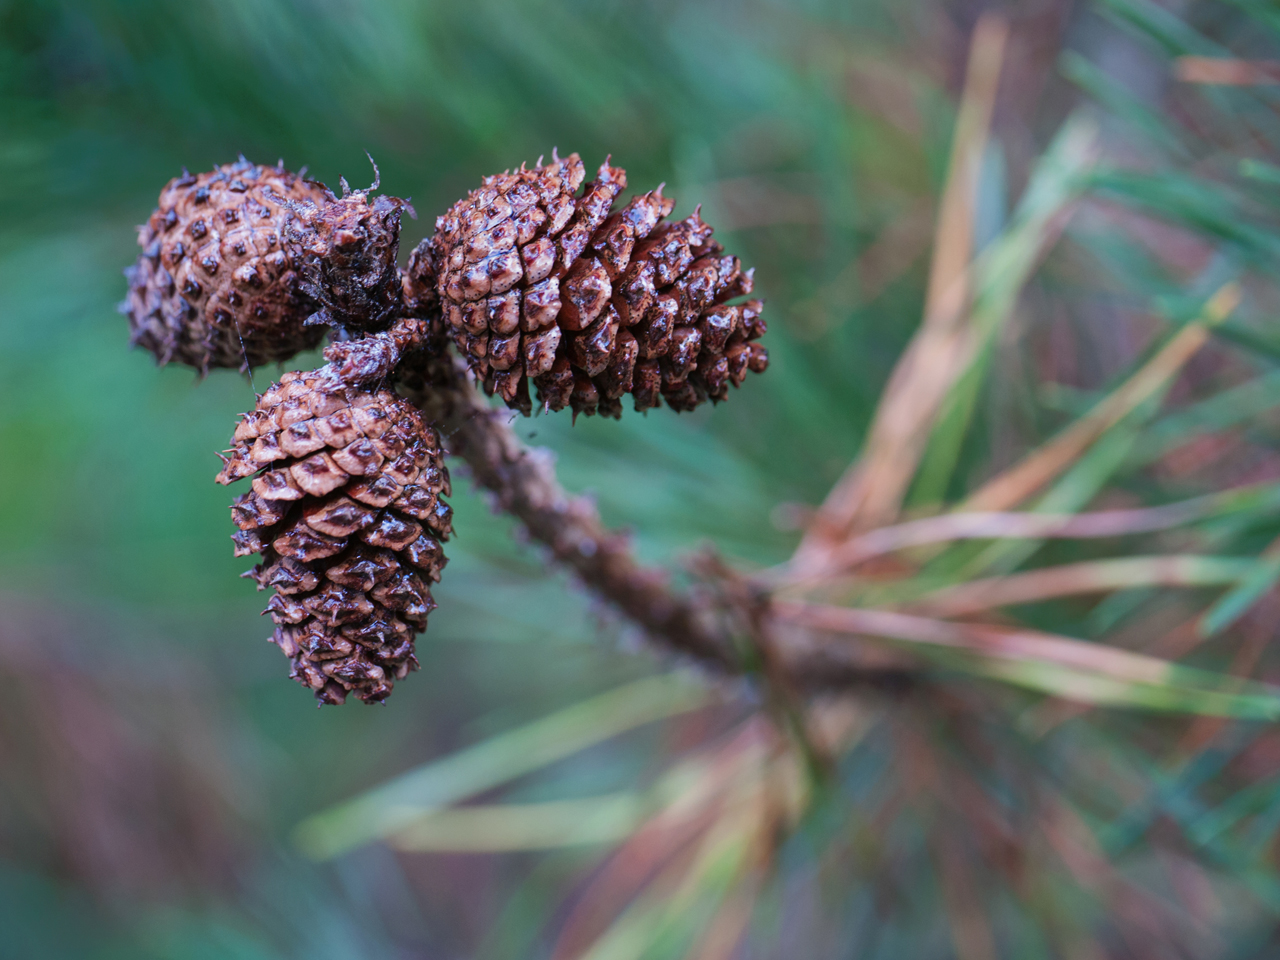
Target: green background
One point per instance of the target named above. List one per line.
(153, 754)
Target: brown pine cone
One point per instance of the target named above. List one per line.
(215, 285)
(347, 249)
(539, 283)
(346, 511)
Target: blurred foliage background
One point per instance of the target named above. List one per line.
(154, 759)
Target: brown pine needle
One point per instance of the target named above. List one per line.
(663, 839)
(1060, 666)
(1227, 71)
(1096, 576)
(1004, 525)
(1049, 461)
(978, 638)
(724, 933)
(874, 485)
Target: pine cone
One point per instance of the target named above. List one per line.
(346, 511)
(215, 285)
(348, 248)
(538, 283)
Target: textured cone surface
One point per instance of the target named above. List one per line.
(540, 283)
(347, 511)
(376, 356)
(347, 249)
(215, 285)
(419, 282)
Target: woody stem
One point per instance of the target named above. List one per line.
(524, 485)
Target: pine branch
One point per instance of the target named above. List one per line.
(524, 485)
